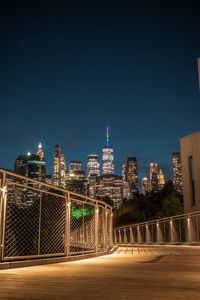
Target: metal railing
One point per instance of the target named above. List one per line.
(41, 220)
(183, 228)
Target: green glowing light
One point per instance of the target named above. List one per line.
(77, 213)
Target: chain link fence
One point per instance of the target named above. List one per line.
(40, 220)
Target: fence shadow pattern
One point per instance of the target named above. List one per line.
(40, 220)
(183, 228)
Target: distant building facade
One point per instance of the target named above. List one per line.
(59, 167)
(161, 180)
(108, 157)
(31, 165)
(110, 186)
(40, 152)
(92, 184)
(93, 166)
(153, 177)
(126, 190)
(75, 165)
(130, 174)
(145, 186)
(75, 178)
(177, 172)
(93, 172)
(48, 179)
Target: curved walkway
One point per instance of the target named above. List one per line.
(150, 272)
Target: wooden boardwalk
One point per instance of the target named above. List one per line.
(160, 272)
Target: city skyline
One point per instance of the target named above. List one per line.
(100, 149)
(143, 167)
(81, 167)
(64, 78)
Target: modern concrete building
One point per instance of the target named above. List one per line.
(190, 161)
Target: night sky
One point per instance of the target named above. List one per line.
(68, 70)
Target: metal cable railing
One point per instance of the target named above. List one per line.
(41, 220)
(183, 228)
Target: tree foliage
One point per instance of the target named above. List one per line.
(153, 205)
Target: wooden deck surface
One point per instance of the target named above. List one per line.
(161, 272)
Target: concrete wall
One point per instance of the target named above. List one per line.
(190, 147)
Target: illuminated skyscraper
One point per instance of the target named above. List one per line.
(92, 182)
(177, 172)
(110, 186)
(124, 172)
(145, 185)
(32, 166)
(108, 157)
(130, 173)
(59, 167)
(93, 166)
(40, 152)
(75, 178)
(161, 180)
(153, 176)
(93, 170)
(75, 165)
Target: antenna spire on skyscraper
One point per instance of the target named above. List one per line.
(107, 136)
(108, 157)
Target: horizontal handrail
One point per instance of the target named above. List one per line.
(53, 186)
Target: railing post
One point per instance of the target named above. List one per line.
(3, 199)
(139, 238)
(67, 225)
(125, 236)
(159, 237)
(111, 228)
(131, 235)
(147, 235)
(39, 227)
(120, 238)
(189, 235)
(106, 227)
(115, 237)
(96, 226)
(171, 231)
(197, 228)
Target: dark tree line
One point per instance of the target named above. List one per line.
(153, 205)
